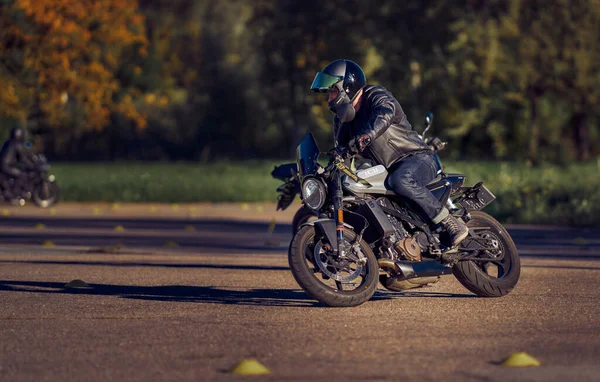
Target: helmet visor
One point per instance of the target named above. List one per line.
(324, 81)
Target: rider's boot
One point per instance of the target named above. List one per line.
(456, 228)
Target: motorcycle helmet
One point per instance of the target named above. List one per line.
(17, 134)
(343, 79)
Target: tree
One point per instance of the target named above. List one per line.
(59, 58)
(508, 59)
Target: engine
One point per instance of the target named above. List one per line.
(401, 243)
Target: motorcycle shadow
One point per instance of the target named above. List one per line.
(415, 293)
(200, 294)
(170, 293)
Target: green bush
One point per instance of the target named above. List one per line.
(166, 182)
(546, 194)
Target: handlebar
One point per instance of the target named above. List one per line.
(335, 157)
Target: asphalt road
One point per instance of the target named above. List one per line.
(185, 298)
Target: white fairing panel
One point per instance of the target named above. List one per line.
(374, 175)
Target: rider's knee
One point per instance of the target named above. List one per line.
(404, 184)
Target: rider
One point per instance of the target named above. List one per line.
(13, 154)
(369, 121)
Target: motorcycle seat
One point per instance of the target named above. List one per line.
(436, 180)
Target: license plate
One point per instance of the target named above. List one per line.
(478, 200)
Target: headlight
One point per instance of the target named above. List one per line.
(51, 178)
(313, 193)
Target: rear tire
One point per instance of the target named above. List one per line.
(472, 274)
(308, 278)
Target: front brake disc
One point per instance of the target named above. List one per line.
(325, 261)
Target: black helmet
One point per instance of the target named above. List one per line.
(345, 76)
(17, 134)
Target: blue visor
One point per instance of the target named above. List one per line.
(323, 82)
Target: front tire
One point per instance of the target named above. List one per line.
(477, 276)
(319, 286)
(303, 215)
(46, 194)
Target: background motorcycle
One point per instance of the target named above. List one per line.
(366, 234)
(39, 186)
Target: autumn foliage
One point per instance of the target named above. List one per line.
(209, 79)
(61, 58)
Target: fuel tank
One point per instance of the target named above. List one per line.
(375, 175)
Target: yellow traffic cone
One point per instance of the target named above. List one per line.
(250, 367)
(520, 359)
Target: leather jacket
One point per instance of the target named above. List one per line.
(381, 117)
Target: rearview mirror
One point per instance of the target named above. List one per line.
(428, 119)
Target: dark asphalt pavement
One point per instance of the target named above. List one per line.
(186, 299)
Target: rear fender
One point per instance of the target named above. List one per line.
(326, 227)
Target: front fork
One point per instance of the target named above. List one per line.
(338, 196)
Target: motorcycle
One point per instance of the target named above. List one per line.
(365, 234)
(40, 186)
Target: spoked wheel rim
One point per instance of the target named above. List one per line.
(339, 275)
(496, 263)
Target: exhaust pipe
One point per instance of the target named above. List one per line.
(408, 275)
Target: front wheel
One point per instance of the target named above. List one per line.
(327, 278)
(498, 272)
(303, 215)
(46, 194)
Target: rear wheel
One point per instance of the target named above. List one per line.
(499, 270)
(327, 278)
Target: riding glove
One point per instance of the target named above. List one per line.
(358, 144)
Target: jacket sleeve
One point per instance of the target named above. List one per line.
(382, 114)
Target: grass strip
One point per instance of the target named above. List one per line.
(546, 194)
